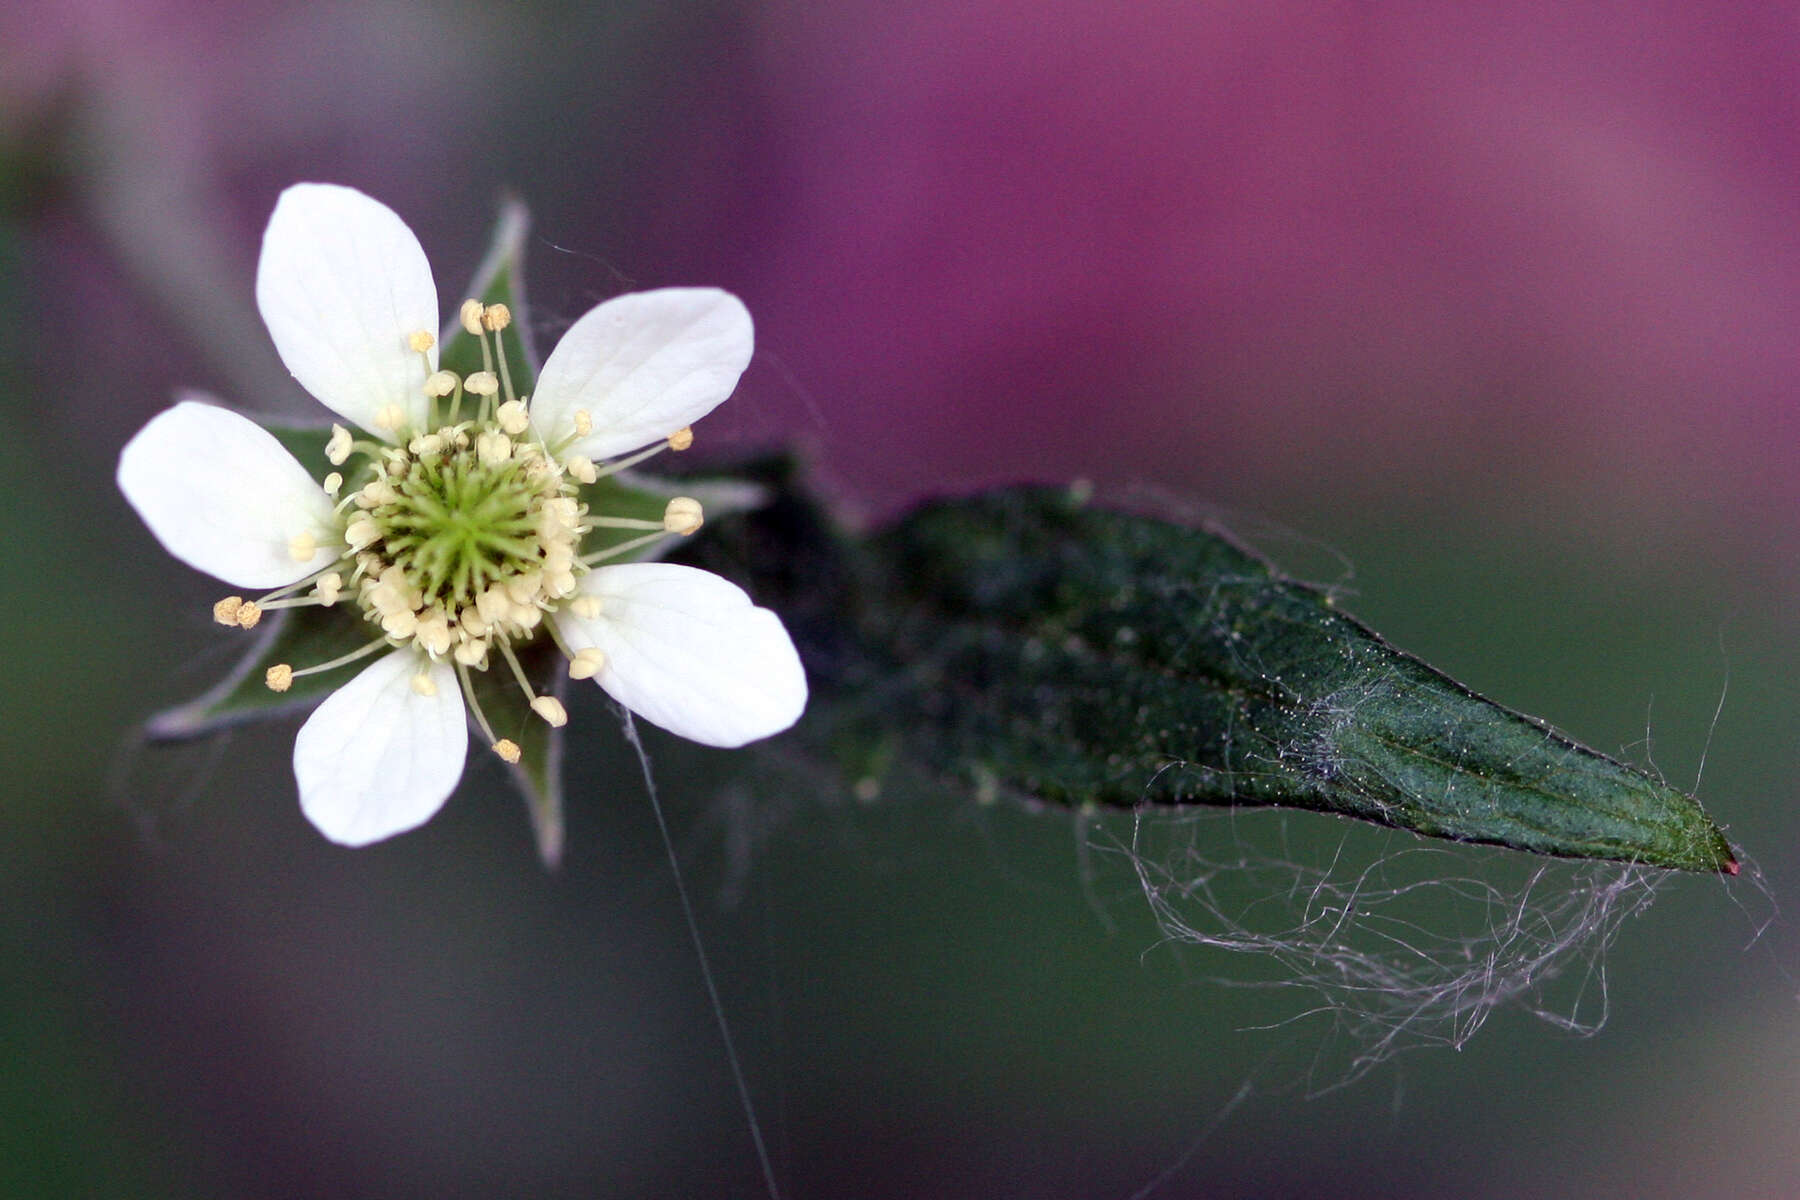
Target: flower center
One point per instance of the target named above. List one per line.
(465, 535)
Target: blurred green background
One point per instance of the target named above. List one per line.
(1495, 302)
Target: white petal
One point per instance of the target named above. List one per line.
(222, 495)
(643, 366)
(377, 758)
(342, 284)
(688, 651)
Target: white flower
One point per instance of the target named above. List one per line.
(458, 523)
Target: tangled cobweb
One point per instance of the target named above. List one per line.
(1388, 942)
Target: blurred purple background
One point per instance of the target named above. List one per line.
(1498, 300)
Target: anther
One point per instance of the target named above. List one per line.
(248, 614)
(362, 532)
(420, 340)
(423, 685)
(513, 417)
(302, 546)
(496, 317)
(683, 515)
(587, 607)
(551, 709)
(472, 653)
(493, 448)
(471, 316)
(279, 677)
(225, 612)
(587, 661)
(338, 448)
(390, 417)
(439, 384)
(329, 587)
(507, 749)
(582, 468)
(334, 483)
(482, 383)
(434, 634)
(584, 422)
(682, 438)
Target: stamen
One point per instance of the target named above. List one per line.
(625, 464)
(343, 659)
(423, 684)
(584, 422)
(471, 316)
(622, 548)
(433, 633)
(551, 709)
(496, 317)
(512, 660)
(582, 468)
(402, 623)
(420, 340)
(682, 438)
(683, 515)
(390, 417)
(506, 748)
(329, 587)
(248, 614)
(586, 606)
(587, 662)
(338, 448)
(225, 611)
(482, 383)
(626, 523)
(493, 448)
(334, 483)
(362, 532)
(513, 418)
(279, 677)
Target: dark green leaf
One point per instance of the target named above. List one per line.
(1027, 642)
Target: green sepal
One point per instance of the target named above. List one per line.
(538, 773)
(1027, 643)
(299, 637)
